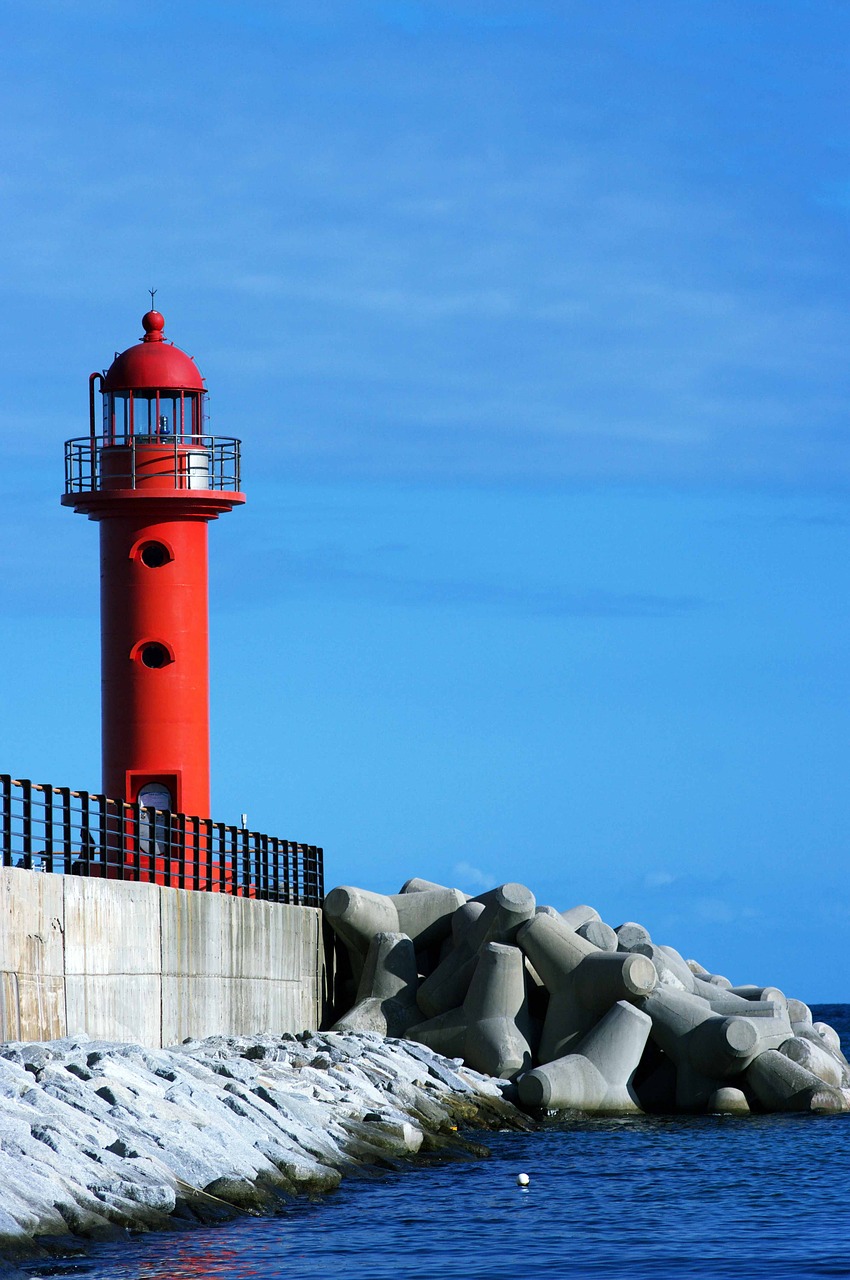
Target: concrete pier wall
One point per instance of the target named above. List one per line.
(124, 961)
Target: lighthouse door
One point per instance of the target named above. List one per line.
(154, 795)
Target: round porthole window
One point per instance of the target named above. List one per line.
(154, 655)
(154, 555)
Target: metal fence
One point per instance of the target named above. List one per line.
(203, 462)
(46, 828)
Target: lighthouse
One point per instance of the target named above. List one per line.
(153, 478)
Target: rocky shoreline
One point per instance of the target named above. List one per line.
(98, 1138)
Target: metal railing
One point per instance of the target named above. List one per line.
(93, 463)
(55, 829)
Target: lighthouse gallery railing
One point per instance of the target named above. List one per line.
(47, 828)
(153, 462)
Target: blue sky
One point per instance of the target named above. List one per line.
(533, 321)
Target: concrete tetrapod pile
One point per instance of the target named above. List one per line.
(581, 1016)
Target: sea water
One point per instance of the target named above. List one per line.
(638, 1197)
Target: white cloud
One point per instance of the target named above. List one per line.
(719, 911)
(658, 879)
(473, 877)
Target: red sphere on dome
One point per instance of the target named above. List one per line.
(153, 363)
(153, 322)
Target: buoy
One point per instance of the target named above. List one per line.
(522, 1180)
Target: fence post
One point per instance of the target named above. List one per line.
(311, 888)
(26, 821)
(208, 842)
(298, 868)
(231, 858)
(196, 852)
(274, 869)
(287, 854)
(184, 873)
(246, 863)
(64, 794)
(85, 832)
(6, 818)
(173, 837)
(219, 829)
(121, 812)
(103, 831)
(320, 876)
(48, 828)
(263, 860)
(136, 819)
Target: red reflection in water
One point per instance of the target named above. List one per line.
(187, 1263)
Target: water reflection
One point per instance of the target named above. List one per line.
(188, 1262)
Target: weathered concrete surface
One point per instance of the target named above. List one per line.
(420, 911)
(386, 996)
(597, 1075)
(32, 957)
(111, 926)
(96, 1137)
(232, 966)
(506, 908)
(124, 961)
(113, 959)
(496, 1012)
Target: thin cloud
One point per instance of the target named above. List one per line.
(658, 880)
(474, 877)
(722, 911)
(328, 573)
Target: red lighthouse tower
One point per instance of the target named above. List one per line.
(153, 479)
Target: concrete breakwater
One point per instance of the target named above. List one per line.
(120, 960)
(97, 1137)
(580, 1015)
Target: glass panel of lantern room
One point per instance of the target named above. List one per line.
(188, 408)
(168, 423)
(186, 416)
(144, 415)
(121, 416)
(116, 417)
(190, 415)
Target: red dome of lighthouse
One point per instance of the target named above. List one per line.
(153, 363)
